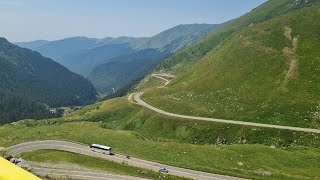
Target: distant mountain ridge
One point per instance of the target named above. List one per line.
(157, 42)
(124, 70)
(84, 55)
(34, 79)
(63, 50)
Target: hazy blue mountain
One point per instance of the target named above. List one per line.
(27, 74)
(32, 44)
(83, 61)
(123, 70)
(58, 49)
(180, 35)
(84, 55)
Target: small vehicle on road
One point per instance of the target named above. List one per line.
(163, 170)
(102, 149)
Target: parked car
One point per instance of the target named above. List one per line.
(163, 170)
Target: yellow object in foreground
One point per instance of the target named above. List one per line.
(9, 171)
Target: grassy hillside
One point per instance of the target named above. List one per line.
(268, 10)
(119, 114)
(267, 72)
(132, 130)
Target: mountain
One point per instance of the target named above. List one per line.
(56, 50)
(111, 74)
(181, 36)
(123, 70)
(262, 67)
(77, 52)
(85, 60)
(29, 77)
(266, 11)
(33, 44)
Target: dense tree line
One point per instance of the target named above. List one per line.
(35, 80)
(14, 107)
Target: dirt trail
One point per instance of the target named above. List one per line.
(160, 76)
(290, 52)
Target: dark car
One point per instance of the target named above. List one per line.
(163, 170)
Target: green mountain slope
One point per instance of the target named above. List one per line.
(266, 72)
(25, 73)
(268, 10)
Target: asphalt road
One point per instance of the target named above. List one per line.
(85, 150)
(137, 98)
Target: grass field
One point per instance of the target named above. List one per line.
(54, 157)
(244, 160)
(119, 114)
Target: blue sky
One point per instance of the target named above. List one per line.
(25, 20)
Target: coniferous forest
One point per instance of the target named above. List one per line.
(30, 83)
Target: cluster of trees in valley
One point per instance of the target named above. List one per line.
(29, 83)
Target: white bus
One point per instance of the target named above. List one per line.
(101, 148)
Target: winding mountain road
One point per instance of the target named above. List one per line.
(139, 101)
(85, 150)
(160, 76)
